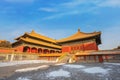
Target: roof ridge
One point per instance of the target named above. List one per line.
(33, 32)
(78, 35)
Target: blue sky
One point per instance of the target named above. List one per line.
(61, 18)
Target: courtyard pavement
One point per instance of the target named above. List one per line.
(76, 71)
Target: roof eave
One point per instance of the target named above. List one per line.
(76, 39)
(95, 34)
(41, 44)
(21, 36)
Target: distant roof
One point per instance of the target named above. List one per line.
(2, 40)
(39, 36)
(79, 35)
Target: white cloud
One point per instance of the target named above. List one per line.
(61, 15)
(77, 3)
(74, 7)
(110, 3)
(98, 3)
(71, 12)
(69, 8)
(48, 9)
(72, 3)
(20, 1)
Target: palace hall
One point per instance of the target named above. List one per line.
(78, 47)
(70, 47)
(36, 43)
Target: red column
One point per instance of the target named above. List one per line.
(100, 58)
(83, 48)
(34, 50)
(40, 50)
(95, 58)
(48, 58)
(28, 50)
(106, 57)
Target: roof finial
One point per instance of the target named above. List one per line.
(78, 29)
(32, 31)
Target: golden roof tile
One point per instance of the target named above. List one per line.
(79, 35)
(40, 42)
(36, 35)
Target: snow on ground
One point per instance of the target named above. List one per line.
(59, 73)
(59, 64)
(3, 64)
(23, 78)
(74, 66)
(31, 69)
(113, 63)
(96, 70)
(91, 71)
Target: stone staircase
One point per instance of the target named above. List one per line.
(66, 58)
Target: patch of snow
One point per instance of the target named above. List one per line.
(31, 69)
(96, 70)
(59, 73)
(106, 78)
(74, 66)
(3, 64)
(59, 64)
(110, 66)
(113, 63)
(23, 78)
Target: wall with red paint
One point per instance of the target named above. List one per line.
(66, 48)
(6, 50)
(82, 47)
(77, 47)
(19, 49)
(34, 50)
(90, 46)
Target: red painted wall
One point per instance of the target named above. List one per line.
(82, 47)
(6, 50)
(66, 49)
(90, 46)
(34, 50)
(77, 47)
(19, 49)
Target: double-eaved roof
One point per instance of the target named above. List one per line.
(79, 36)
(38, 36)
(29, 40)
(38, 39)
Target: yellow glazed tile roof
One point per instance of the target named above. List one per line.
(36, 35)
(2, 40)
(40, 42)
(79, 35)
